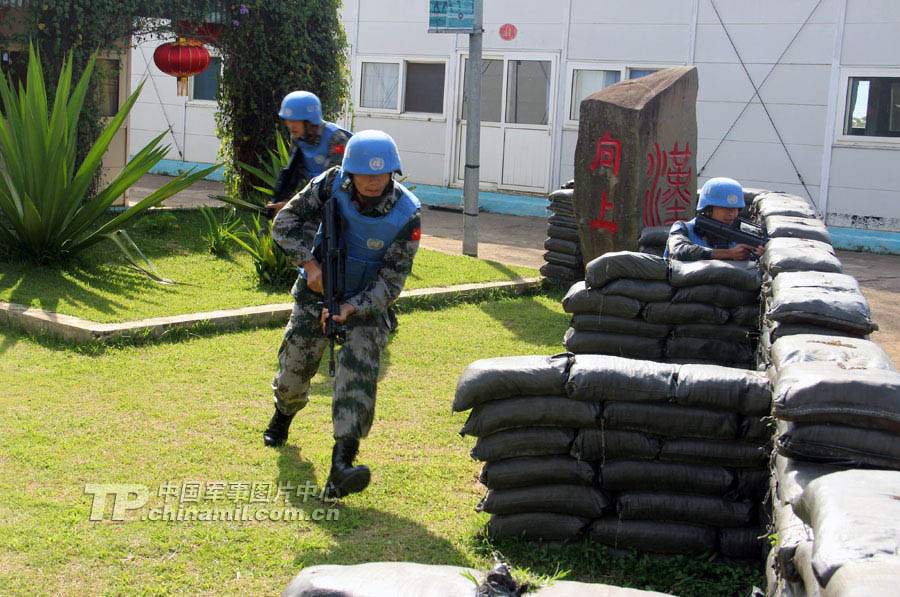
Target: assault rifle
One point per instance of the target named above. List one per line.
(332, 262)
(287, 181)
(741, 231)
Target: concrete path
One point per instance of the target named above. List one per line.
(519, 240)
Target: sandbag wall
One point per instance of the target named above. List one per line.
(659, 457)
(564, 260)
(642, 306)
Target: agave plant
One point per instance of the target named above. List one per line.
(44, 209)
(273, 268)
(268, 173)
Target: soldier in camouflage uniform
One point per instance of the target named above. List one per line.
(318, 145)
(381, 231)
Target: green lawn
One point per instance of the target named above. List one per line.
(171, 414)
(98, 286)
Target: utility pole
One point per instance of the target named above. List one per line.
(473, 137)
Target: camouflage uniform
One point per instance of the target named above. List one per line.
(353, 403)
(333, 155)
(680, 247)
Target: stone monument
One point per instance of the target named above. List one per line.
(635, 161)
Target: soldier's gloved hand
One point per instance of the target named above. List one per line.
(346, 311)
(313, 276)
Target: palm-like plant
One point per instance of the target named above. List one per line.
(44, 210)
(268, 173)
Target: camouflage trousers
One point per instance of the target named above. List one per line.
(356, 374)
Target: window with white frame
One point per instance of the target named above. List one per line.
(587, 81)
(206, 84)
(872, 106)
(637, 73)
(420, 84)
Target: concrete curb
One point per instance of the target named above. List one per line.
(84, 331)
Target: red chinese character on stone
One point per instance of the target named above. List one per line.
(609, 154)
(669, 191)
(605, 206)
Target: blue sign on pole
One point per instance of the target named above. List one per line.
(451, 16)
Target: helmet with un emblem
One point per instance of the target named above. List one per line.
(722, 192)
(301, 105)
(371, 152)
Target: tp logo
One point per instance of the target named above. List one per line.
(126, 496)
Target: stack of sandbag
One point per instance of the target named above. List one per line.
(639, 305)
(653, 240)
(659, 457)
(564, 261)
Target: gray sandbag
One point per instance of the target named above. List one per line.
(740, 275)
(568, 588)
(794, 227)
(781, 205)
(778, 260)
(577, 500)
(723, 388)
(825, 392)
(530, 411)
(592, 322)
(596, 378)
(533, 526)
(756, 430)
(879, 575)
(515, 443)
(563, 232)
(776, 330)
(852, 353)
(536, 470)
(839, 445)
(562, 196)
(383, 579)
(854, 516)
(653, 536)
(745, 315)
(620, 345)
(561, 272)
(752, 483)
(606, 444)
(700, 451)
(679, 507)
(820, 298)
(559, 207)
(803, 556)
(564, 260)
(793, 476)
(652, 250)
(790, 244)
(681, 313)
(643, 290)
(505, 377)
(791, 533)
(742, 542)
(706, 348)
(654, 236)
(562, 220)
(562, 246)
(649, 475)
(624, 264)
(670, 420)
(716, 294)
(580, 299)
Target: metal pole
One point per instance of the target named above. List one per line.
(473, 139)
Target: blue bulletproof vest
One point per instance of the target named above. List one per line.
(315, 157)
(366, 239)
(692, 235)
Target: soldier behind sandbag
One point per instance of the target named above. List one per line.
(381, 227)
(318, 145)
(722, 200)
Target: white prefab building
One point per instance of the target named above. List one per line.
(799, 95)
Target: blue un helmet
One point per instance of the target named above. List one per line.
(301, 105)
(370, 152)
(721, 191)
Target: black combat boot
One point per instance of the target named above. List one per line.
(344, 477)
(277, 432)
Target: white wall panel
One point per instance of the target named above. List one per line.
(615, 11)
(788, 83)
(768, 11)
(876, 44)
(766, 161)
(629, 43)
(201, 148)
(410, 135)
(875, 169)
(848, 201)
(765, 43)
(797, 123)
(422, 168)
(873, 11)
(400, 38)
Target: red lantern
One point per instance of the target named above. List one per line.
(205, 32)
(183, 58)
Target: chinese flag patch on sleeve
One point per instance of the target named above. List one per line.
(338, 149)
(416, 234)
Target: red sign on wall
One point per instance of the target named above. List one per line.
(508, 32)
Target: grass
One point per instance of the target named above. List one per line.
(171, 413)
(98, 286)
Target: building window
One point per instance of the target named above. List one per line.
(873, 107)
(637, 73)
(380, 81)
(108, 70)
(528, 91)
(585, 82)
(424, 90)
(206, 84)
(14, 65)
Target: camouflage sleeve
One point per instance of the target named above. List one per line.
(395, 267)
(681, 248)
(295, 225)
(336, 146)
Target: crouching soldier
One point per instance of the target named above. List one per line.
(381, 230)
(722, 200)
